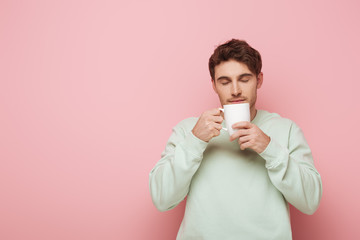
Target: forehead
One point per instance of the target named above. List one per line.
(231, 69)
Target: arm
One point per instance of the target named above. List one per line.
(292, 171)
(171, 177)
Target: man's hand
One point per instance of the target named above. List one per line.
(250, 136)
(208, 125)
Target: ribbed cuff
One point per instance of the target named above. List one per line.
(274, 154)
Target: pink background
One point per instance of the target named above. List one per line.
(89, 92)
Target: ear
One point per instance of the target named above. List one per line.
(260, 80)
(213, 85)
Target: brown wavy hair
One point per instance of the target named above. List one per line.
(238, 50)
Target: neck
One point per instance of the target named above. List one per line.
(253, 114)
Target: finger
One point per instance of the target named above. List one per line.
(217, 119)
(217, 126)
(242, 124)
(239, 133)
(215, 112)
(216, 132)
(245, 145)
(244, 139)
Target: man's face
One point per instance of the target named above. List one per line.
(234, 81)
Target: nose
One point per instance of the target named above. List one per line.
(235, 89)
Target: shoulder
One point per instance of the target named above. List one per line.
(184, 127)
(187, 124)
(283, 129)
(276, 121)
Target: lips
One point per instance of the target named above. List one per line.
(237, 100)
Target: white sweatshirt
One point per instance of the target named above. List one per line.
(233, 193)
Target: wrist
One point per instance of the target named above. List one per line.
(267, 142)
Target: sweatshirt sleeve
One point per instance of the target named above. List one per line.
(170, 179)
(291, 169)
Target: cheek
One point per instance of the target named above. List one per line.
(223, 91)
(251, 90)
(227, 93)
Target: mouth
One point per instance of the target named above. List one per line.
(237, 101)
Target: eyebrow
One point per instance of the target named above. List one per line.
(239, 77)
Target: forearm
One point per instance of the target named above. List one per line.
(292, 172)
(171, 177)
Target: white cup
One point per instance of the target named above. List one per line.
(235, 113)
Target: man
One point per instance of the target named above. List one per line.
(238, 186)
